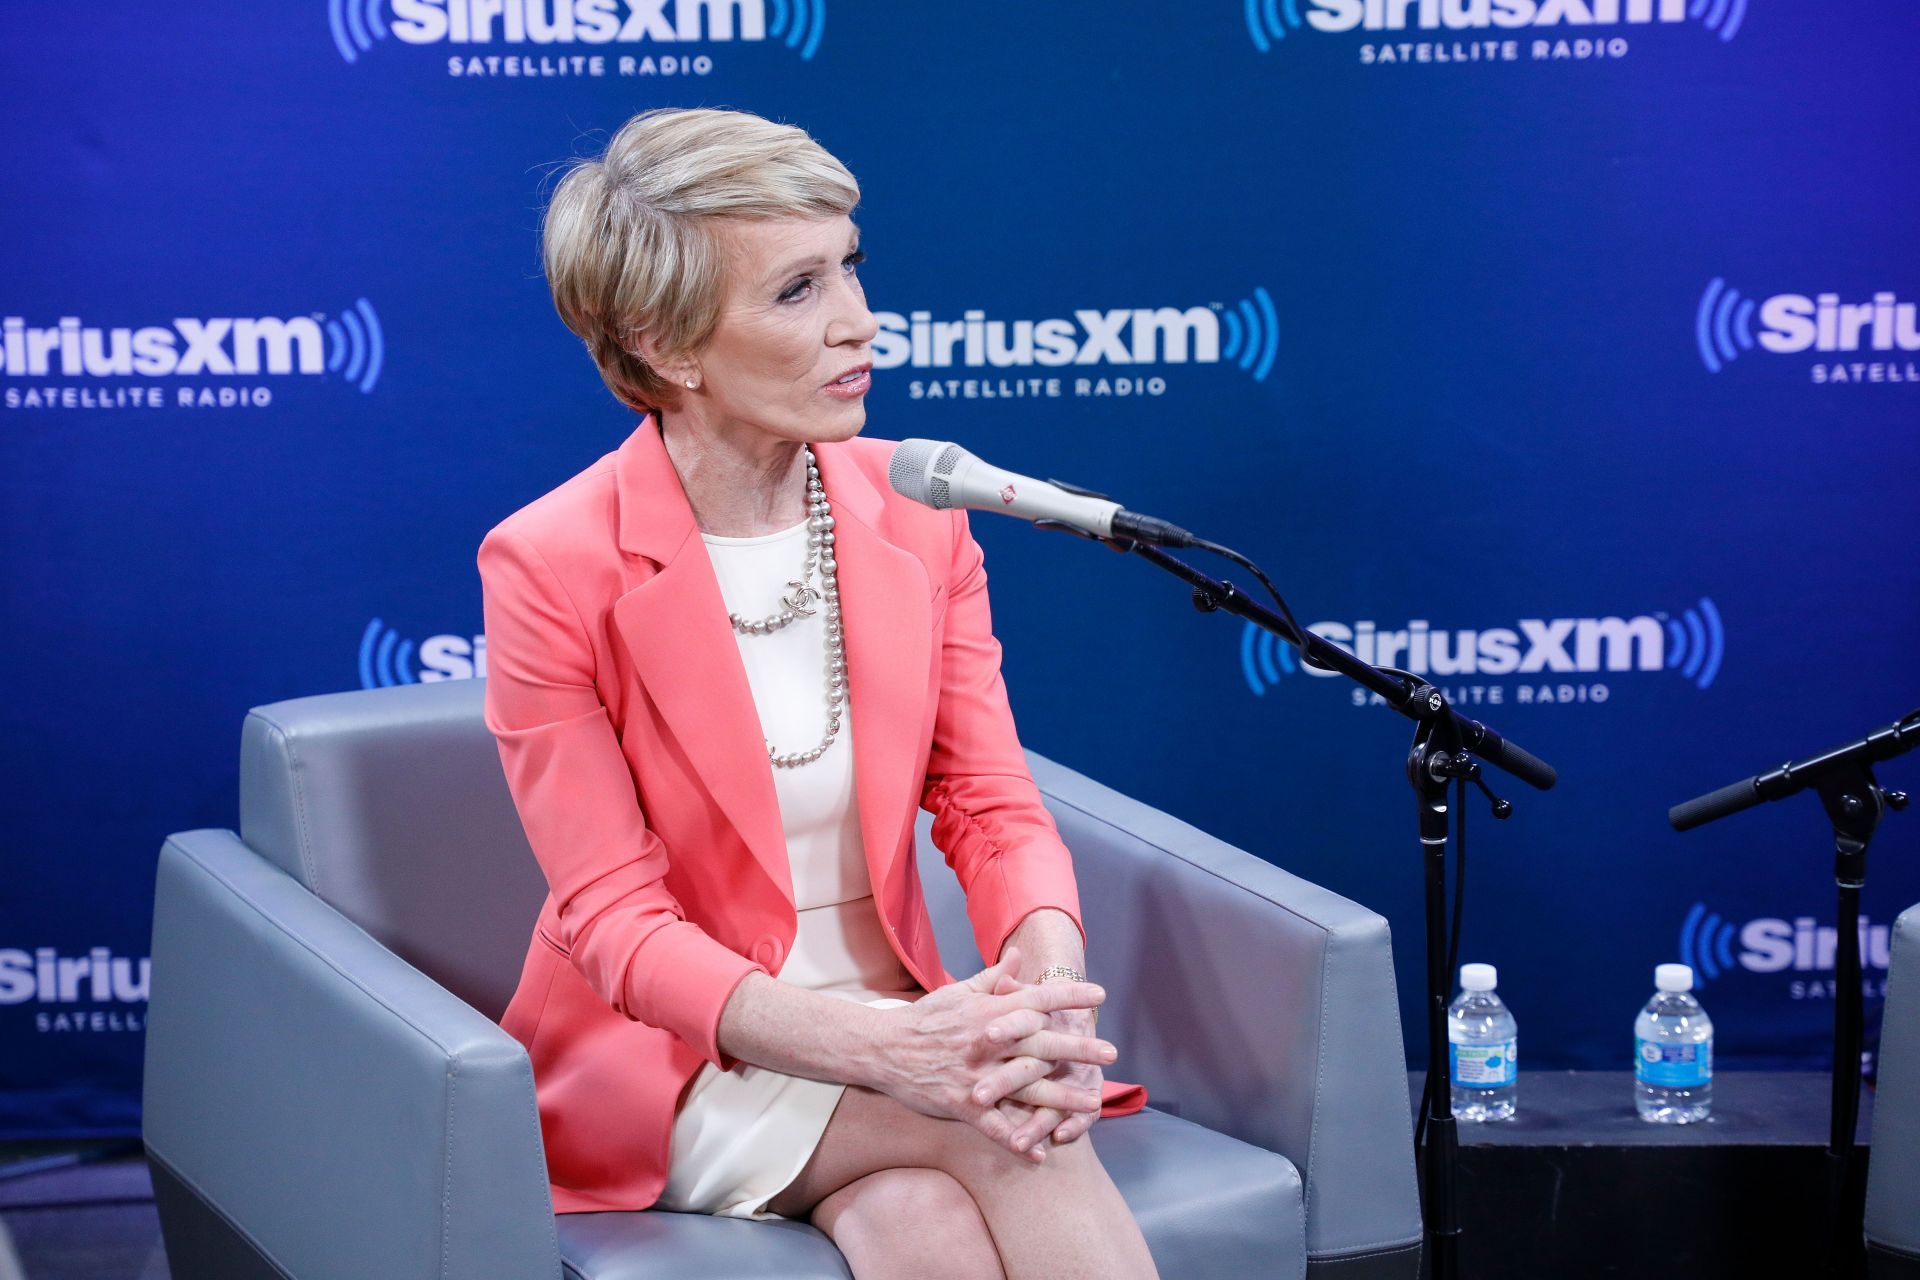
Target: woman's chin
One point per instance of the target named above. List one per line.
(848, 422)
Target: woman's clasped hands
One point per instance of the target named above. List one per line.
(1017, 1060)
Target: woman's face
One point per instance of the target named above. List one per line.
(793, 326)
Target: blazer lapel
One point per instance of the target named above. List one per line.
(888, 622)
(675, 626)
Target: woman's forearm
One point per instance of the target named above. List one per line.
(803, 1033)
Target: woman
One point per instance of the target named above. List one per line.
(673, 685)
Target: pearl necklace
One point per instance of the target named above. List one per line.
(796, 603)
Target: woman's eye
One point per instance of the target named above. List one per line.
(798, 288)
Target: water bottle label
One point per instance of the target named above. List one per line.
(1672, 1066)
(1484, 1066)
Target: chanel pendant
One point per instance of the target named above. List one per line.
(798, 598)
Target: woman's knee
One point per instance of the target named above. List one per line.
(901, 1221)
(883, 1200)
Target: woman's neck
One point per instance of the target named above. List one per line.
(740, 484)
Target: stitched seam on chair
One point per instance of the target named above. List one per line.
(553, 1234)
(446, 1176)
(304, 839)
(1893, 957)
(1350, 1252)
(1313, 1139)
(1319, 1082)
(216, 1211)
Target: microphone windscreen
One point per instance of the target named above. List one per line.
(919, 470)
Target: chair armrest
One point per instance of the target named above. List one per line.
(1893, 1173)
(1249, 1001)
(336, 1107)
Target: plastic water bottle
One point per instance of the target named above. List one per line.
(1673, 1052)
(1481, 1047)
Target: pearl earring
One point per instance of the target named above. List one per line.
(690, 382)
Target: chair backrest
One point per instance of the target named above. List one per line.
(390, 805)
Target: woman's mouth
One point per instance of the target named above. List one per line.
(852, 384)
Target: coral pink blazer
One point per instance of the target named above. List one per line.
(634, 755)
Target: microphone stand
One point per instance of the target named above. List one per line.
(1441, 743)
(1855, 802)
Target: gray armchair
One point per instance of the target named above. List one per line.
(1893, 1169)
(327, 1093)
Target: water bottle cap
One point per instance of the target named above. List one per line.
(1479, 977)
(1673, 977)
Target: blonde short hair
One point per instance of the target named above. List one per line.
(629, 241)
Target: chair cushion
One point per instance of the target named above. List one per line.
(1209, 1205)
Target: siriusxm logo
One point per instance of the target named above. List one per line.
(349, 345)
(1691, 645)
(1246, 334)
(387, 658)
(357, 25)
(44, 976)
(1270, 22)
(1789, 323)
(1770, 945)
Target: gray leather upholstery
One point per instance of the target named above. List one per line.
(339, 1108)
(1893, 1170)
(327, 1094)
(322, 778)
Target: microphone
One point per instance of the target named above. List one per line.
(942, 475)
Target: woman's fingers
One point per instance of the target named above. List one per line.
(1028, 1135)
(1048, 996)
(988, 978)
(1003, 1079)
(1016, 1026)
(1061, 1046)
(1000, 1123)
(1025, 1078)
(1073, 1126)
(1057, 1095)
(1019, 1117)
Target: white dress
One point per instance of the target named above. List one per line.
(741, 1136)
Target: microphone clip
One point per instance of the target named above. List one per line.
(1122, 545)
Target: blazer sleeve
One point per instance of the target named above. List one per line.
(622, 928)
(988, 817)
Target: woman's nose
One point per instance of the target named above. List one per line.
(853, 323)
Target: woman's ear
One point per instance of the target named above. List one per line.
(680, 371)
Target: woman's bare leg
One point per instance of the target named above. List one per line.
(1059, 1218)
(916, 1223)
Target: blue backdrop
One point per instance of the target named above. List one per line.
(1568, 348)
